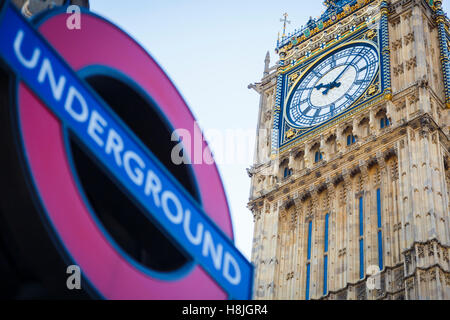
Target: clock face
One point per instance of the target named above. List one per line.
(332, 85)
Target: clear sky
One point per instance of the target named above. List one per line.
(212, 50)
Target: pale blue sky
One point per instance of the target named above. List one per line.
(212, 50)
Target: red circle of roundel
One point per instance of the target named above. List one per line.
(99, 43)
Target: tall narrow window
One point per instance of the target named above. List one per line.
(287, 172)
(308, 275)
(384, 122)
(308, 262)
(318, 156)
(361, 238)
(351, 139)
(325, 256)
(380, 232)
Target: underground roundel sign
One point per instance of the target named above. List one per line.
(90, 118)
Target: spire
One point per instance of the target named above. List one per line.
(266, 64)
(285, 22)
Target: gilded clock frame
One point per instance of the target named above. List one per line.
(292, 88)
(280, 140)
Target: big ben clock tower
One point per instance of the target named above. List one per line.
(351, 180)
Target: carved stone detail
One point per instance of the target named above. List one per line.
(411, 63)
(409, 38)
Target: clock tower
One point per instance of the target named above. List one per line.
(350, 182)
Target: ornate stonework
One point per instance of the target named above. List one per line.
(373, 184)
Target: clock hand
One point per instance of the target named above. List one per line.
(331, 86)
(321, 86)
(327, 87)
(340, 75)
(335, 85)
(348, 65)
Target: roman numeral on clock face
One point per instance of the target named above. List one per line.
(363, 68)
(316, 73)
(332, 109)
(301, 102)
(333, 62)
(308, 109)
(360, 82)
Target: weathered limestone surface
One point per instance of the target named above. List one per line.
(407, 161)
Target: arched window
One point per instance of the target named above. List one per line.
(384, 122)
(318, 156)
(351, 139)
(287, 172)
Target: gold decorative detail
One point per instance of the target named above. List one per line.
(384, 11)
(347, 9)
(388, 94)
(372, 90)
(371, 34)
(292, 78)
(284, 68)
(448, 105)
(290, 134)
